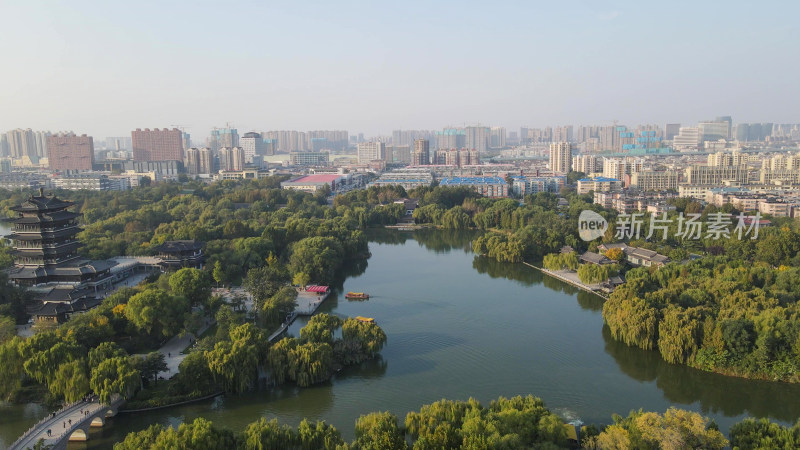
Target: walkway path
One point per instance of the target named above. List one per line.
(173, 348)
(70, 419)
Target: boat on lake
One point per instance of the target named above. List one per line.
(357, 295)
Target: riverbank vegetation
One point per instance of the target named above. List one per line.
(506, 423)
(254, 233)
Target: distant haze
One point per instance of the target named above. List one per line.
(105, 68)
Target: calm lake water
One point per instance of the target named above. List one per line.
(463, 326)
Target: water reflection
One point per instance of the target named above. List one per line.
(440, 241)
(517, 272)
(589, 301)
(729, 396)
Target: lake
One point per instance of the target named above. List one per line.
(462, 326)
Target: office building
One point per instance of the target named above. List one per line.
(561, 157)
(371, 151)
(688, 139)
(714, 130)
(253, 144)
(309, 158)
(70, 152)
(421, 155)
(157, 145)
(671, 130)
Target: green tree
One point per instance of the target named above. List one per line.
(268, 435)
(368, 337)
(310, 363)
(301, 279)
(379, 431)
(115, 376)
(278, 359)
(157, 313)
(320, 328)
(191, 284)
(105, 351)
(218, 272)
(151, 365)
(234, 364)
(70, 381)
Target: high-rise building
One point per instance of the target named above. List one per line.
(451, 138)
(587, 164)
(206, 161)
(231, 159)
(253, 144)
(562, 134)
(421, 155)
(714, 130)
(498, 137)
(70, 152)
(371, 151)
(157, 145)
(119, 143)
(40, 138)
(192, 161)
(477, 137)
(617, 168)
(223, 137)
(22, 143)
(4, 151)
(671, 130)
(561, 157)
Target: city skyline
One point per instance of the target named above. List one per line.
(316, 65)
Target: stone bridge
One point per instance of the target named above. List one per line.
(70, 423)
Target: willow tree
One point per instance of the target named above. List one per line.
(115, 376)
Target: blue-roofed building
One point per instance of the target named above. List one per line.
(492, 187)
(599, 184)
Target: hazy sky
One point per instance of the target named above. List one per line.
(107, 67)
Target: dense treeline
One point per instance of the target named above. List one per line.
(718, 313)
(253, 232)
(506, 423)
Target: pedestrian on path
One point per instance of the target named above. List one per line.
(64, 424)
(70, 422)
(49, 432)
(169, 355)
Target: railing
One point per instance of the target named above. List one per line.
(45, 419)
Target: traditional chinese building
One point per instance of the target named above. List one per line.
(46, 259)
(176, 254)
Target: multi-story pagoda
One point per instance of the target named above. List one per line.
(46, 258)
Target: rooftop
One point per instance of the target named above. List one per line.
(454, 181)
(317, 178)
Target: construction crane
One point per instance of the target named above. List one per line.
(181, 127)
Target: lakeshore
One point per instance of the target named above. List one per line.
(490, 329)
